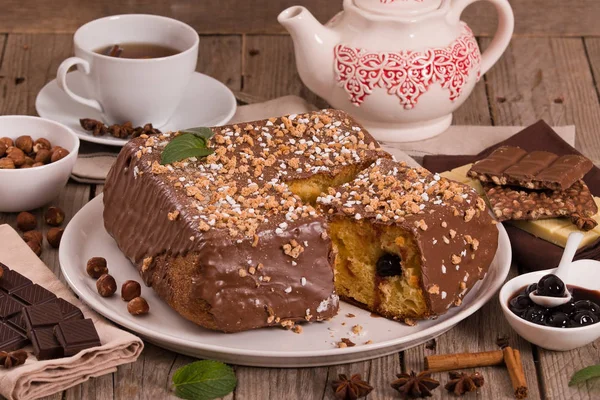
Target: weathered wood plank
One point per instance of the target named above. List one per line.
(270, 69)
(559, 18)
(221, 58)
(551, 79)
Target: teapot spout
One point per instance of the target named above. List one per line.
(313, 48)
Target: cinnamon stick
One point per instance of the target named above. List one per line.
(451, 362)
(512, 359)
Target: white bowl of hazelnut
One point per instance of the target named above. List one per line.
(36, 159)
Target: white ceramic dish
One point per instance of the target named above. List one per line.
(86, 237)
(206, 102)
(29, 188)
(583, 273)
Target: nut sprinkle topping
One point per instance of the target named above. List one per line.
(244, 183)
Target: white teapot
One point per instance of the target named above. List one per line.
(401, 67)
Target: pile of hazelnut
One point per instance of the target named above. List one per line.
(131, 291)
(24, 152)
(27, 223)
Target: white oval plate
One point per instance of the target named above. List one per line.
(206, 102)
(85, 237)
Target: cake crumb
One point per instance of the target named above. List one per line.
(297, 329)
(146, 264)
(434, 289)
(410, 322)
(356, 329)
(368, 342)
(242, 272)
(293, 249)
(349, 315)
(455, 259)
(173, 215)
(347, 343)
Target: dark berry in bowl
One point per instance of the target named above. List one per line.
(568, 308)
(558, 319)
(389, 265)
(536, 314)
(583, 318)
(520, 304)
(587, 305)
(550, 285)
(531, 288)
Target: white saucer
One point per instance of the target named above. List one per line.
(85, 237)
(206, 102)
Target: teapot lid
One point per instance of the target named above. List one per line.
(399, 7)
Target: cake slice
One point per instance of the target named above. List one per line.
(410, 244)
(231, 241)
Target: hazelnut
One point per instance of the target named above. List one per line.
(96, 267)
(7, 141)
(7, 163)
(58, 153)
(16, 155)
(36, 247)
(43, 156)
(54, 216)
(38, 164)
(41, 144)
(36, 236)
(138, 306)
(53, 236)
(130, 290)
(26, 221)
(25, 143)
(106, 285)
(28, 161)
(3, 148)
(24, 166)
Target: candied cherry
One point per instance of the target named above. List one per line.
(550, 285)
(583, 318)
(531, 288)
(587, 305)
(536, 314)
(389, 265)
(558, 319)
(520, 304)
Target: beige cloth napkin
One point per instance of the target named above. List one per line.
(95, 161)
(36, 378)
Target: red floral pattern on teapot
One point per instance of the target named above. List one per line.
(407, 74)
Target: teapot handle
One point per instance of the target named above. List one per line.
(506, 24)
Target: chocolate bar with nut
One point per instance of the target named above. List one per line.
(510, 203)
(534, 170)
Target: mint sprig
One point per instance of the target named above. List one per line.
(584, 374)
(190, 143)
(204, 380)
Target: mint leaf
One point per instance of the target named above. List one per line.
(184, 146)
(204, 380)
(201, 132)
(584, 374)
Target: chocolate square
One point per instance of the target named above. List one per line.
(8, 306)
(33, 294)
(76, 335)
(68, 310)
(45, 344)
(41, 316)
(12, 280)
(10, 339)
(17, 322)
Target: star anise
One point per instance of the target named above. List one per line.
(13, 358)
(412, 386)
(350, 389)
(461, 383)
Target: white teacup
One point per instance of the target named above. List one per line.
(125, 89)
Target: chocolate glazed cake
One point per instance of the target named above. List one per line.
(410, 244)
(231, 241)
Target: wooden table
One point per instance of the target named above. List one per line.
(550, 71)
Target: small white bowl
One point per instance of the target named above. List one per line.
(582, 273)
(29, 188)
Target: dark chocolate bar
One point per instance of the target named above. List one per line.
(11, 339)
(33, 294)
(534, 170)
(510, 203)
(45, 344)
(42, 316)
(12, 280)
(68, 310)
(17, 322)
(8, 306)
(76, 335)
